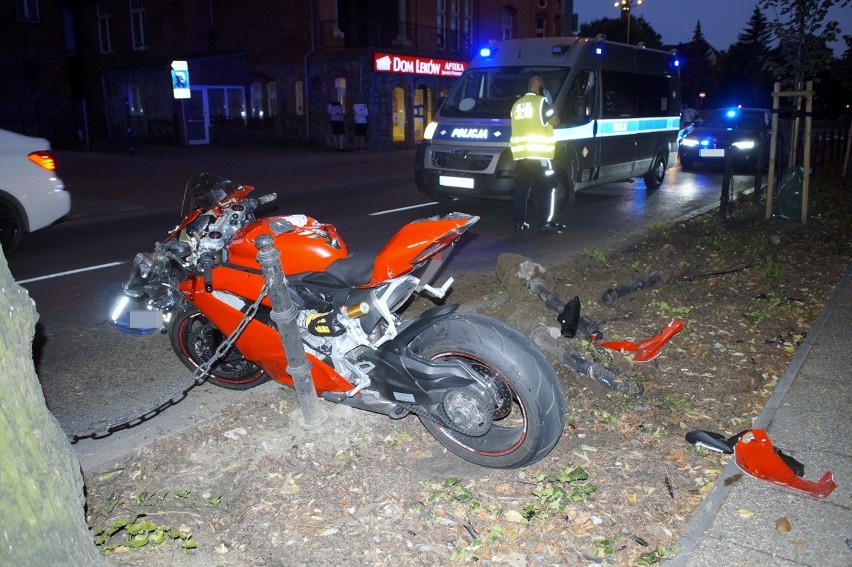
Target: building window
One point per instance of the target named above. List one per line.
(27, 11)
(507, 22)
(134, 100)
(299, 97)
(441, 24)
(137, 24)
(340, 91)
(104, 25)
(540, 26)
(227, 104)
(468, 24)
(68, 26)
(256, 91)
(272, 99)
(398, 112)
(542, 4)
(454, 24)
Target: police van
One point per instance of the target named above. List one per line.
(618, 107)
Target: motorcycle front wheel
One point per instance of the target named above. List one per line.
(529, 414)
(194, 340)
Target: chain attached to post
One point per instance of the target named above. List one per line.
(284, 315)
(103, 427)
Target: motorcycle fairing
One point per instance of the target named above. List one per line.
(259, 342)
(416, 242)
(308, 246)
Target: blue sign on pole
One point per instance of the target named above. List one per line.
(180, 79)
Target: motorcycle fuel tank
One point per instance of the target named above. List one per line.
(305, 244)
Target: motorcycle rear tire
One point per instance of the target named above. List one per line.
(521, 434)
(194, 340)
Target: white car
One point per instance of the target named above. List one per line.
(31, 194)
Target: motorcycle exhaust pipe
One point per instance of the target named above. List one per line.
(368, 403)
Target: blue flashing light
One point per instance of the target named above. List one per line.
(677, 62)
(732, 113)
(599, 51)
(485, 52)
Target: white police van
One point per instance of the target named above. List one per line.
(618, 108)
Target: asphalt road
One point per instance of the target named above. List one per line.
(122, 204)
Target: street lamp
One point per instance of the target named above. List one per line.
(626, 6)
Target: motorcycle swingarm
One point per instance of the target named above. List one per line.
(401, 375)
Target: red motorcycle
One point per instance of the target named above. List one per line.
(480, 387)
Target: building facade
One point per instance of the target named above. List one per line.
(217, 71)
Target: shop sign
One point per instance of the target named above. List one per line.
(385, 63)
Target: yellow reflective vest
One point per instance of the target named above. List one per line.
(532, 137)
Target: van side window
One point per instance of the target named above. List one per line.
(580, 101)
(629, 95)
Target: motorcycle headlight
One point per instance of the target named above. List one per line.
(133, 315)
(145, 263)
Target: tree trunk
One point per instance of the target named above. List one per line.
(42, 518)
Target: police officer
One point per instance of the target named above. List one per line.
(533, 147)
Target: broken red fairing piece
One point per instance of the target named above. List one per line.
(645, 350)
(756, 456)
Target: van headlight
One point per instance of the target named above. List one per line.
(430, 130)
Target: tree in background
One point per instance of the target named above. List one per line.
(802, 32)
(615, 30)
(742, 75)
(697, 70)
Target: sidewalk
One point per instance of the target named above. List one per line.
(808, 416)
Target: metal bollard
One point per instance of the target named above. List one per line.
(727, 185)
(284, 315)
(758, 178)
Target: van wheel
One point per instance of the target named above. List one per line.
(654, 177)
(566, 181)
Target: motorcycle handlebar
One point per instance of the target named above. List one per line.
(255, 203)
(206, 263)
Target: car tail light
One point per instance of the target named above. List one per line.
(43, 159)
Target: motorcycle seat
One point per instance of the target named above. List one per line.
(356, 269)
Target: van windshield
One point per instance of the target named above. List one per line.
(491, 92)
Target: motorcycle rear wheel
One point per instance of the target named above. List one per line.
(527, 425)
(194, 340)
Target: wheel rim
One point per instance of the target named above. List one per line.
(659, 170)
(510, 425)
(198, 343)
(10, 228)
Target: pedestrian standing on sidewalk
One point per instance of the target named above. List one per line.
(338, 132)
(533, 147)
(362, 114)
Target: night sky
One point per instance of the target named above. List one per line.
(721, 20)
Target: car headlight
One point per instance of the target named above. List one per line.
(430, 130)
(690, 142)
(744, 144)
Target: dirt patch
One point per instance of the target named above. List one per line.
(254, 489)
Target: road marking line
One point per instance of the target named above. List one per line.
(68, 273)
(401, 209)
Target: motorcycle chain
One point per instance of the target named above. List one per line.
(103, 427)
